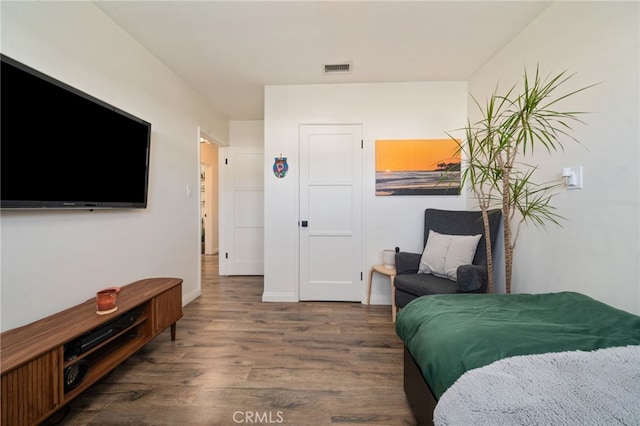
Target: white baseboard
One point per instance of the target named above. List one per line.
(190, 297)
(279, 297)
(291, 297)
(379, 300)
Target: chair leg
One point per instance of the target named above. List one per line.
(369, 287)
(393, 299)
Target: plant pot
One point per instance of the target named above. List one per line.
(106, 300)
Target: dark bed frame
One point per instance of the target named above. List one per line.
(419, 395)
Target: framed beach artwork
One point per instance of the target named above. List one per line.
(417, 167)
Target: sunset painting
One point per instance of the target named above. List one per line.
(417, 167)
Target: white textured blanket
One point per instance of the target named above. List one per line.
(568, 388)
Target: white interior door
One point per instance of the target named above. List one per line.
(331, 212)
(244, 254)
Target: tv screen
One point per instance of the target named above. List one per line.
(62, 148)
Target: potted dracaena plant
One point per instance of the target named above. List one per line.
(494, 147)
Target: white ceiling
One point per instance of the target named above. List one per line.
(229, 50)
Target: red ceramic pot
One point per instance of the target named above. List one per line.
(106, 299)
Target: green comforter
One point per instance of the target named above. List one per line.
(450, 334)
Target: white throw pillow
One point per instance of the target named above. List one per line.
(444, 253)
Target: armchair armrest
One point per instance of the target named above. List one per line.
(471, 278)
(407, 263)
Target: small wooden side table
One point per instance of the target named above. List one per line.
(391, 273)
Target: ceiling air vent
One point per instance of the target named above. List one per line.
(337, 68)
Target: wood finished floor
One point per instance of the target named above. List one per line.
(237, 360)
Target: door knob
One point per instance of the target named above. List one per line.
(304, 223)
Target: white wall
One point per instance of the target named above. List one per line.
(387, 111)
(247, 133)
(597, 250)
(55, 259)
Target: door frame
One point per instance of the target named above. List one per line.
(202, 135)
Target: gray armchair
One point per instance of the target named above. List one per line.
(473, 278)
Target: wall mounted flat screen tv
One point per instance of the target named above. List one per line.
(61, 148)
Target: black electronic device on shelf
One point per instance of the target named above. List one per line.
(98, 335)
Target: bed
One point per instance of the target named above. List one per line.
(448, 338)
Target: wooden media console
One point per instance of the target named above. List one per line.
(47, 363)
